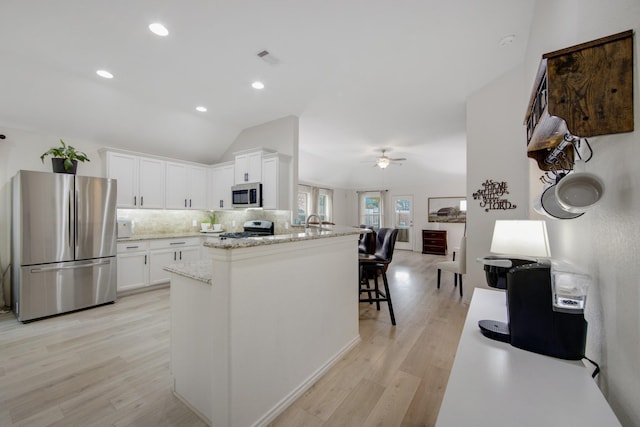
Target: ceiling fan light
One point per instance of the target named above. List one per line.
(383, 162)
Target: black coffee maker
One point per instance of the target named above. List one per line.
(545, 309)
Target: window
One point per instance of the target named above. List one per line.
(303, 206)
(325, 201)
(371, 209)
(314, 200)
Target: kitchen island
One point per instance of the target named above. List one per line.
(260, 320)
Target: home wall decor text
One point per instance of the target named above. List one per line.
(490, 196)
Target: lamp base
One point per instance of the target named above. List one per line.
(495, 330)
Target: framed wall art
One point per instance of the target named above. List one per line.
(447, 209)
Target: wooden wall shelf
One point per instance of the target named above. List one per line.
(586, 90)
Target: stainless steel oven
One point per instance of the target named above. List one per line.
(247, 195)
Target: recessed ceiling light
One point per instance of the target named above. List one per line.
(507, 40)
(257, 85)
(159, 29)
(201, 109)
(104, 74)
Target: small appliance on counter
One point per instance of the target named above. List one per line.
(545, 304)
(253, 228)
(124, 228)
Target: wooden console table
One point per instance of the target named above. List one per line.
(495, 384)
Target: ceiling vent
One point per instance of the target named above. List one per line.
(268, 58)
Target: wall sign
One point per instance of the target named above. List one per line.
(490, 196)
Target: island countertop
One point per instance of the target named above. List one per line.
(312, 234)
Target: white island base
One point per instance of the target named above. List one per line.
(270, 322)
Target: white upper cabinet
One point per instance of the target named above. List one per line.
(222, 178)
(276, 183)
(140, 180)
(186, 186)
(248, 167)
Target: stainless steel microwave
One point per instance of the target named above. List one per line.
(247, 195)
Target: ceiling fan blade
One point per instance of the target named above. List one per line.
(399, 159)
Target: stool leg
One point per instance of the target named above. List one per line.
(364, 282)
(386, 289)
(461, 285)
(377, 288)
(455, 279)
(438, 278)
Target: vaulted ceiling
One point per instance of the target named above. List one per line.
(361, 75)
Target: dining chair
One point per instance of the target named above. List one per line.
(457, 267)
(373, 266)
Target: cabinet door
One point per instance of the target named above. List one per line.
(248, 167)
(177, 186)
(275, 182)
(158, 260)
(133, 270)
(197, 190)
(151, 183)
(222, 178)
(189, 254)
(124, 168)
(270, 183)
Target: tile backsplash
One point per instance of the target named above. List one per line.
(161, 221)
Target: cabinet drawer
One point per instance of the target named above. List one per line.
(133, 246)
(174, 243)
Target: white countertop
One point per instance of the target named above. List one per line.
(495, 384)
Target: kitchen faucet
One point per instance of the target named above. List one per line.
(306, 224)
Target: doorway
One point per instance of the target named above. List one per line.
(403, 221)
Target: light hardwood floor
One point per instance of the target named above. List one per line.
(109, 366)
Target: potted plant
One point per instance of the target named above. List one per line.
(65, 158)
(214, 221)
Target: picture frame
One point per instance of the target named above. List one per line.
(447, 209)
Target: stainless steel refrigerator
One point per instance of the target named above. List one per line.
(63, 243)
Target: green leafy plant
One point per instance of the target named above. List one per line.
(66, 152)
(213, 218)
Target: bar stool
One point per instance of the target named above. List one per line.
(372, 266)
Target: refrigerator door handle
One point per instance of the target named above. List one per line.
(70, 267)
(75, 219)
(69, 221)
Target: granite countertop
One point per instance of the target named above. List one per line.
(197, 270)
(282, 238)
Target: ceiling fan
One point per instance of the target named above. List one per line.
(383, 161)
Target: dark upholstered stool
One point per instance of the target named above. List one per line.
(373, 266)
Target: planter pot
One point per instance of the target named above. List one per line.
(58, 166)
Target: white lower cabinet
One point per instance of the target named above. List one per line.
(141, 263)
(133, 265)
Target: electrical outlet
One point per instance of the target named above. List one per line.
(194, 223)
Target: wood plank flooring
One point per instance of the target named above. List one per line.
(109, 366)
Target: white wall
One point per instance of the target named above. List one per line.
(606, 240)
(496, 150)
(279, 135)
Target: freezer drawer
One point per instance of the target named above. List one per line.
(66, 286)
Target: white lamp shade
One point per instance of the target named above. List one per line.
(521, 238)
